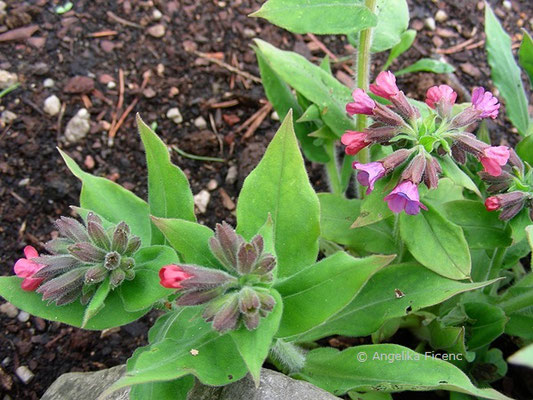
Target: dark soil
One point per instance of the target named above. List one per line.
(36, 187)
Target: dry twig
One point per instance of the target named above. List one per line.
(230, 68)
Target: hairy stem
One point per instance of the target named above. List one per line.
(288, 357)
(494, 268)
(333, 169)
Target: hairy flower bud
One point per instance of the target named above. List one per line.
(415, 170)
(97, 232)
(386, 116)
(431, 174)
(95, 274)
(404, 107)
(394, 160)
(227, 317)
(120, 238)
(117, 276)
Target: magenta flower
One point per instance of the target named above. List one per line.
(442, 93)
(25, 268)
(354, 141)
(405, 197)
(494, 158)
(362, 104)
(369, 173)
(172, 275)
(485, 102)
(385, 85)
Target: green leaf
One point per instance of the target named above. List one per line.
(427, 65)
(525, 149)
(525, 55)
(169, 193)
(406, 40)
(445, 192)
(340, 274)
(336, 217)
(505, 72)
(312, 82)
(144, 290)
(112, 201)
(170, 390)
(369, 367)
(482, 229)
(255, 345)
(377, 301)
(523, 357)
(323, 17)
(452, 171)
(436, 243)
(518, 225)
(190, 240)
(279, 186)
(373, 207)
(354, 395)
(393, 20)
(111, 315)
(97, 301)
(488, 322)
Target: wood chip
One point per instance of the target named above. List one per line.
(19, 33)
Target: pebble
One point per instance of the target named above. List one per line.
(156, 14)
(212, 185)
(78, 127)
(441, 16)
(9, 309)
(201, 200)
(89, 162)
(23, 316)
(49, 83)
(430, 24)
(149, 93)
(7, 79)
(231, 177)
(8, 117)
(174, 114)
(507, 5)
(157, 31)
(274, 116)
(52, 105)
(3, 6)
(111, 85)
(6, 361)
(200, 123)
(249, 33)
(24, 374)
(24, 182)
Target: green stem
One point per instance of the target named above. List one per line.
(518, 302)
(333, 169)
(286, 356)
(494, 269)
(9, 89)
(397, 238)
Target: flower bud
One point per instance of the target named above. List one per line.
(385, 85)
(386, 116)
(112, 260)
(72, 229)
(127, 263)
(415, 170)
(87, 252)
(246, 258)
(442, 98)
(134, 244)
(394, 160)
(251, 320)
(248, 301)
(129, 274)
(97, 232)
(381, 134)
(225, 244)
(267, 301)
(516, 161)
(58, 246)
(120, 238)
(55, 265)
(197, 297)
(458, 154)
(227, 317)
(117, 276)
(65, 288)
(431, 174)
(95, 274)
(404, 107)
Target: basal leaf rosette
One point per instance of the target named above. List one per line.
(239, 294)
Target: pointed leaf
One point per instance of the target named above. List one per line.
(169, 390)
(526, 55)
(97, 301)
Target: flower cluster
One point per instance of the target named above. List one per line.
(241, 293)
(80, 259)
(419, 143)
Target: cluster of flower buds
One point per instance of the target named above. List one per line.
(419, 143)
(240, 294)
(80, 259)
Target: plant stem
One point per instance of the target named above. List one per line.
(333, 169)
(518, 302)
(397, 238)
(494, 269)
(288, 357)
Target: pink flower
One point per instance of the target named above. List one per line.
(25, 268)
(385, 85)
(405, 197)
(493, 158)
(492, 203)
(354, 141)
(369, 173)
(442, 93)
(485, 102)
(362, 104)
(172, 275)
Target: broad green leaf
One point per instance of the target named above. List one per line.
(386, 368)
(325, 64)
(487, 323)
(97, 301)
(190, 240)
(525, 149)
(112, 201)
(279, 186)
(525, 55)
(336, 217)
(518, 225)
(354, 395)
(144, 290)
(373, 207)
(307, 296)
(406, 40)
(445, 192)
(377, 301)
(483, 229)
(517, 304)
(111, 315)
(449, 338)
(523, 357)
(312, 82)
(436, 243)
(282, 99)
(505, 72)
(323, 17)
(169, 193)
(255, 345)
(393, 20)
(427, 65)
(169, 390)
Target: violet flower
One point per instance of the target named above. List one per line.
(362, 104)
(405, 197)
(485, 102)
(354, 141)
(369, 173)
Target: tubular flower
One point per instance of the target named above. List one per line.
(510, 203)
(26, 268)
(494, 158)
(354, 141)
(172, 275)
(369, 173)
(405, 197)
(362, 104)
(441, 98)
(385, 85)
(485, 103)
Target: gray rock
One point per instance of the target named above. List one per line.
(23, 316)
(9, 309)
(174, 114)
(8, 117)
(200, 123)
(78, 127)
(87, 385)
(24, 374)
(52, 105)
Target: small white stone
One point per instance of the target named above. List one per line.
(430, 24)
(157, 31)
(274, 116)
(3, 6)
(201, 200)
(441, 16)
(156, 14)
(174, 114)
(24, 182)
(200, 123)
(49, 83)
(249, 33)
(78, 127)
(24, 374)
(9, 309)
(23, 316)
(6, 361)
(52, 105)
(212, 185)
(8, 117)
(7, 79)
(111, 85)
(231, 177)
(507, 5)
